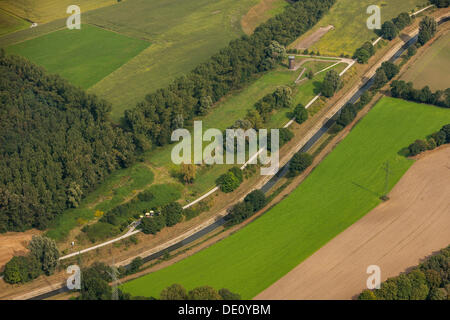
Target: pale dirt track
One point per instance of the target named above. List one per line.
(396, 236)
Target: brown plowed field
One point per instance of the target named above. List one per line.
(396, 236)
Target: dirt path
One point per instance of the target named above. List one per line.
(395, 236)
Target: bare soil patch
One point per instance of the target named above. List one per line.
(14, 244)
(396, 236)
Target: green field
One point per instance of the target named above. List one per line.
(349, 19)
(82, 56)
(183, 34)
(342, 189)
(9, 23)
(433, 68)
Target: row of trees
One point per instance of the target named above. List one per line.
(56, 145)
(433, 141)
(42, 259)
(178, 292)
(390, 29)
(429, 281)
(406, 91)
(153, 120)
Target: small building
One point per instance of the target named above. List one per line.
(141, 216)
(291, 62)
(147, 214)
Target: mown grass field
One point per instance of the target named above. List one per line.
(10, 23)
(349, 19)
(183, 34)
(82, 56)
(342, 189)
(433, 67)
(44, 11)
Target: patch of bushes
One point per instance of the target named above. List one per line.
(406, 91)
(178, 292)
(434, 140)
(363, 54)
(157, 116)
(253, 202)
(299, 163)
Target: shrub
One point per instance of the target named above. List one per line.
(152, 225)
(174, 292)
(417, 147)
(300, 114)
(299, 162)
(173, 213)
(388, 30)
(135, 265)
(146, 195)
(228, 182)
(257, 199)
(228, 295)
(204, 293)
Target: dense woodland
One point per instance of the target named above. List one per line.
(154, 119)
(56, 144)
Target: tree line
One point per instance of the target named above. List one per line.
(390, 30)
(406, 91)
(428, 281)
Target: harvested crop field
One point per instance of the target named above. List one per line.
(396, 235)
